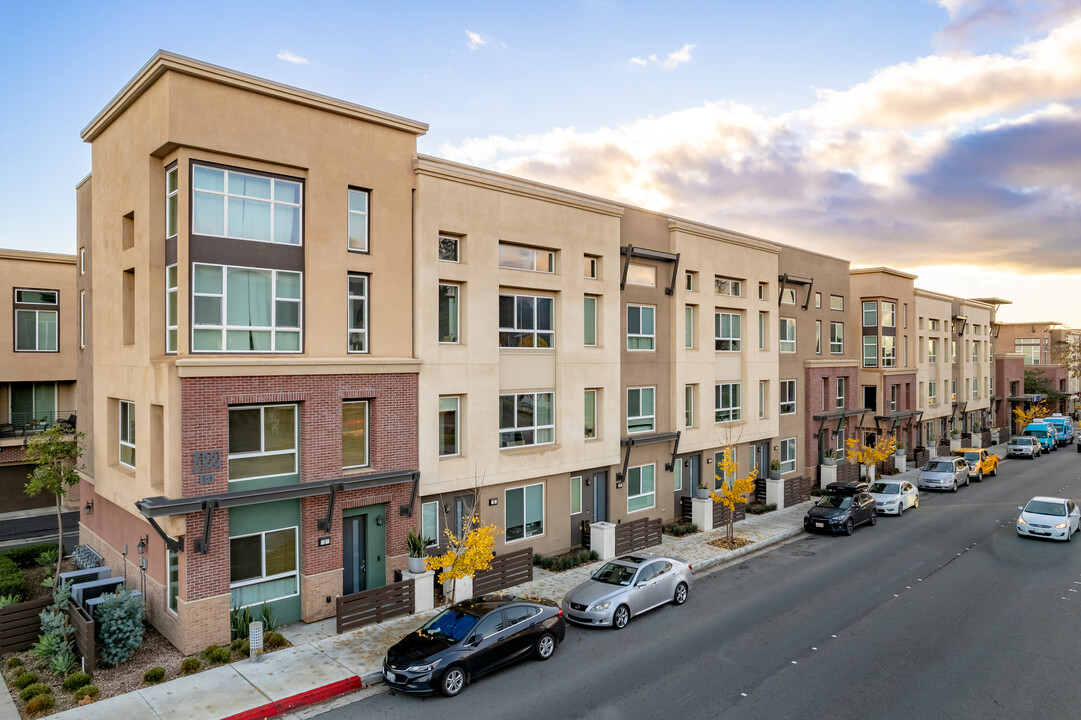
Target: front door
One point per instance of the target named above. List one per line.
(600, 496)
(761, 459)
(355, 554)
(689, 471)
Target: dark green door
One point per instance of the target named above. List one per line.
(364, 540)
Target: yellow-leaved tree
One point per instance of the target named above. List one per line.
(732, 493)
(871, 455)
(466, 554)
(1024, 417)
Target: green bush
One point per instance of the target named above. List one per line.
(12, 581)
(119, 619)
(274, 640)
(90, 691)
(25, 680)
(241, 647)
(7, 600)
(14, 662)
(566, 561)
(678, 528)
(216, 655)
(27, 555)
(63, 661)
(75, 681)
(39, 703)
(35, 689)
(761, 508)
(154, 675)
(239, 619)
(190, 665)
(48, 557)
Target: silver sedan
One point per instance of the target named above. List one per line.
(628, 586)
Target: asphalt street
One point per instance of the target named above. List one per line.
(941, 613)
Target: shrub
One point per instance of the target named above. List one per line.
(35, 689)
(39, 703)
(119, 619)
(241, 647)
(154, 675)
(189, 665)
(274, 640)
(27, 555)
(239, 619)
(48, 557)
(12, 581)
(63, 661)
(6, 600)
(679, 528)
(566, 561)
(25, 680)
(761, 508)
(14, 662)
(55, 638)
(216, 655)
(75, 681)
(90, 691)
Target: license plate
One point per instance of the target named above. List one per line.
(388, 675)
(818, 524)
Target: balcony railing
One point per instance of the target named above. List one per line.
(22, 424)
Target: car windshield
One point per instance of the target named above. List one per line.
(834, 501)
(938, 467)
(972, 457)
(885, 488)
(1020, 441)
(1043, 507)
(451, 625)
(614, 574)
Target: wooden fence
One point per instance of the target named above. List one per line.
(637, 535)
(20, 624)
(369, 606)
(720, 512)
(797, 489)
(507, 570)
(84, 635)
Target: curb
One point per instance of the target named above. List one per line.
(310, 697)
(719, 560)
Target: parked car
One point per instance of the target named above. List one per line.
(980, 462)
(1026, 446)
(943, 473)
(842, 508)
(626, 587)
(1044, 433)
(1063, 427)
(1049, 517)
(473, 638)
(893, 497)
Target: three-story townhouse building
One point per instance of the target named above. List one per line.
(973, 366)
(934, 370)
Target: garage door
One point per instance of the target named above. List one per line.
(12, 497)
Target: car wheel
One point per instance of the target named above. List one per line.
(874, 518)
(954, 488)
(979, 478)
(621, 617)
(1069, 535)
(901, 508)
(546, 645)
(916, 502)
(453, 681)
(681, 594)
(994, 471)
(849, 526)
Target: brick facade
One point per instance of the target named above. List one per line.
(819, 400)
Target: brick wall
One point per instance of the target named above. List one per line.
(12, 454)
(813, 402)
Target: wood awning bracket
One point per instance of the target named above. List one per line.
(324, 523)
(407, 510)
(810, 286)
(202, 545)
(626, 265)
(780, 290)
(671, 466)
(671, 289)
(626, 459)
(173, 544)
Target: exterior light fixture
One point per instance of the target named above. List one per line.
(88, 508)
(143, 542)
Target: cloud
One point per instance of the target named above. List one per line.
(290, 57)
(671, 62)
(475, 40)
(974, 20)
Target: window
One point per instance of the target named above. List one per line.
(525, 512)
(840, 393)
(763, 290)
(448, 426)
(688, 406)
(932, 393)
(837, 338)
(870, 313)
(975, 351)
(953, 391)
(172, 562)
(263, 567)
(517, 257)
(245, 309)
(726, 402)
(640, 327)
(787, 335)
(82, 261)
(763, 391)
(726, 332)
(82, 318)
(172, 194)
(889, 314)
(576, 494)
(763, 321)
(448, 312)
(449, 249)
(526, 419)
(590, 414)
(904, 349)
(677, 475)
(429, 522)
(262, 441)
(590, 267)
(641, 275)
(590, 320)
(640, 409)
(870, 351)
(526, 321)
(691, 283)
(932, 324)
(728, 286)
(788, 296)
(358, 313)
(893, 398)
(234, 204)
(818, 336)
(932, 350)
(788, 397)
(788, 455)
(688, 326)
(975, 388)
(127, 434)
(837, 302)
(170, 308)
(355, 433)
(818, 300)
(904, 315)
(953, 352)
(36, 329)
(641, 487)
(889, 351)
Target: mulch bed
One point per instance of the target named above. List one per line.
(737, 542)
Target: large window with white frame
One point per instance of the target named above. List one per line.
(449, 414)
(520, 257)
(355, 434)
(688, 326)
(526, 321)
(171, 301)
(932, 350)
(358, 220)
(641, 487)
(837, 302)
(526, 419)
(726, 402)
(450, 248)
(589, 319)
(641, 331)
(238, 309)
(728, 286)
(590, 413)
(932, 393)
(870, 313)
(263, 567)
(788, 397)
(788, 455)
(172, 198)
(727, 332)
(889, 351)
(246, 206)
(975, 388)
(889, 314)
(787, 336)
(36, 320)
(358, 313)
(870, 351)
(641, 410)
(127, 433)
(524, 513)
(837, 338)
(262, 441)
(449, 312)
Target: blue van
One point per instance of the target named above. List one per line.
(1044, 433)
(1062, 424)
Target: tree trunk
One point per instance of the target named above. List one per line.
(59, 538)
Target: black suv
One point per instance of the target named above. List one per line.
(842, 508)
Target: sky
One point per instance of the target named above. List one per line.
(941, 137)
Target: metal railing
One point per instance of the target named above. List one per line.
(22, 423)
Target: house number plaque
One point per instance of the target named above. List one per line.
(204, 463)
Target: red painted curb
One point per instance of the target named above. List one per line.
(303, 699)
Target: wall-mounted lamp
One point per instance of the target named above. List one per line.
(378, 520)
(88, 508)
(143, 542)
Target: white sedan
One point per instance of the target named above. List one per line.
(1049, 517)
(892, 497)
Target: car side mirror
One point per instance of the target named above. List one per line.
(1020, 508)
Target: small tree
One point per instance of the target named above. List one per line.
(871, 455)
(466, 554)
(1024, 417)
(732, 493)
(55, 453)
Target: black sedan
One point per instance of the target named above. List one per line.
(842, 508)
(471, 639)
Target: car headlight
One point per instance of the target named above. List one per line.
(1061, 526)
(601, 606)
(1021, 521)
(422, 668)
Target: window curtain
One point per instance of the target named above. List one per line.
(250, 294)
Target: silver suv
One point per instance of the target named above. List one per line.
(943, 473)
(1023, 446)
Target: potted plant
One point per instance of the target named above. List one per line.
(418, 554)
(899, 449)
(774, 469)
(829, 459)
(702, 493)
